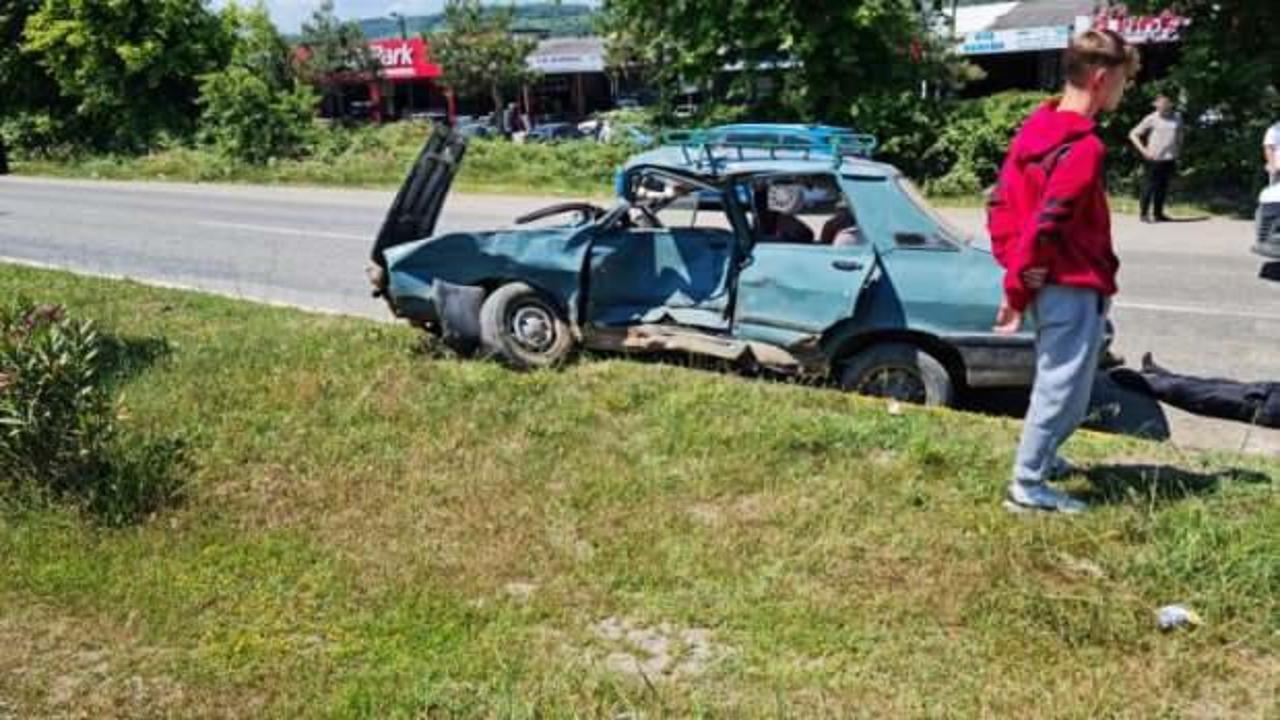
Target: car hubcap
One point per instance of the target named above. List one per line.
(533, 327)
(894, 382)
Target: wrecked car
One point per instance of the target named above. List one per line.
(820, 265)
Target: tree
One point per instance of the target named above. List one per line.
(479, 53)
(129, 66)
(256, 109)
(832, 50)
(336, 51)
(23, 83)
(27, 94)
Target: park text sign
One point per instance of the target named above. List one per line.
(404, 59)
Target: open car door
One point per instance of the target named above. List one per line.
(417, 206)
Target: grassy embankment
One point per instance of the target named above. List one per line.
(374, 531)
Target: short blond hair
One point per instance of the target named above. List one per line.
(1094, 49)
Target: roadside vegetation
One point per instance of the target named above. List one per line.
(367, 157)
(373, 529)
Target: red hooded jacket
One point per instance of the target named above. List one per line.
(1049, 208)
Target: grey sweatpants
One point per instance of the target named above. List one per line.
(1069, 331)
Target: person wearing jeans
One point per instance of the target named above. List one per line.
(1069, 334)
(1050, 228)
(1159, 138)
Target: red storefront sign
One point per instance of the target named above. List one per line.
(404, 59)
(1165, 27)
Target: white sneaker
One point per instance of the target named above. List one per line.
(1024, 497)
(1062, 468)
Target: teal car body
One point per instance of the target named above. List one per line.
(620, 279)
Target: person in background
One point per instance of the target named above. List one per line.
(1159, 138)
(1051, 231)
(1271, 153)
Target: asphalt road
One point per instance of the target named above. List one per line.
(1190, 292)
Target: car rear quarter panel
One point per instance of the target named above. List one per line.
(548, 259)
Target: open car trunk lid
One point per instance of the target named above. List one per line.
(417, 205)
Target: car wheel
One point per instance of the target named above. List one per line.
(900, 371)
(522, 328)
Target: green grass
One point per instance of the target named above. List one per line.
(373, 531)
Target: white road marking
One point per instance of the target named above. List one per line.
(1192, 310)
(277, 230)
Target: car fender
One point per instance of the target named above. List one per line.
(550, 260)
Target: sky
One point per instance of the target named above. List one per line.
(289, 14)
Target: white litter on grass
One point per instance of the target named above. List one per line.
(1171, 617)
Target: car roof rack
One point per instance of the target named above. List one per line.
(710, 150)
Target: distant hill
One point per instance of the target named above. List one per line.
(552, 19)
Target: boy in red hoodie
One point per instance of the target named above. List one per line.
(1051, 230)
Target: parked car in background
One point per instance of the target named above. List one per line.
(553, 132)
(477, 129)
(826, 267)
(1268, 223)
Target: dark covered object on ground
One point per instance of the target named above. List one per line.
(1256, 403)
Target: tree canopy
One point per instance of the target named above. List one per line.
(479, 53)
(834, 49)
(127, 68)
(256, 109)
(334, 48)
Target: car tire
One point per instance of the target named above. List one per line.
(523, 328)
(899, 371)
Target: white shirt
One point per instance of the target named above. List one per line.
(1272, 140)
(1272, 137)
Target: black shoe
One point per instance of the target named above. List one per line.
(1163, 218)
(1131, 379)
(1110, 360)
(1149, 365)
(1147, 219)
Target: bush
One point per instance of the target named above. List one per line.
(974, 139)
(907, 127)
(59, 434)
(244, 118)
(35, 135)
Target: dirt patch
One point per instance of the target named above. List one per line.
(745, 510)
(657, 652)
(1255, 694)
(70, 667)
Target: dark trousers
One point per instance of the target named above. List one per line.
(1155, 187)
(1256, 403)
